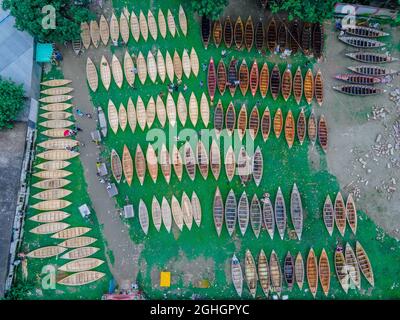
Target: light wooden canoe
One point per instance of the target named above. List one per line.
(237, 275)
(324, 272)
(140, 164)
(242, 122)
(211, 80)
(268, 217)
(46, 252)
(275, 82)
(128, 69)
(150, 112)
(105, 73)
(289, 129)
(51, 184)
(141, 68)
(217, 32)
(193, 109)
(170, 66)
(312, 128)
(81, 278)
(280, 213)
(56, 99)
(257, 166)
(278, 123)
(95, 33)
(177, 65)
(112, 115)
(77, 242)
(124, 27)
(56, 82)
(341, 269)
(299, 270)
(340, 213)
(189, 161)
(152, 25)
(301, 126)
(55, 133)
(50, 216)
(352, 265)
(83, 264)
(114, 28)
(249, 34)
(254, 122)
(166, 214)
(187, 210)
(141, 113)
(204, 110)
(182, 20)
(215, 159)
(196, 208)
(57, 91)
(230, 163)
(52, 194)
(117, 73)
(312, 272)
(171, 110)
(151, 67)
(162, 72)
(156, 213)
(218, 211)
(177, 213)
(48, 228)
(351, 213)
(58, 144)
(230, 119)
(50, 205)
(131, 115)
(243, 77)
(56, 107)
(127, 165)
(57, 155)
(202, 159)
(298, 85)
(288, 270)
(104, 30)
(144, 29)
(238, 33)
(91, 75)
(56, 124)
(194, 62)
(143, 217)
(309, 86)
(244, 166)
(160, 111)
(71, 233)
(85, 34)
(286, 84)
(135, 28)
(171, 23)
(152, 163)
(186, 63)
(266, 124)
(54, 174)
(364, 264)
(250, 273)
(56, 115)
(165, 163)
(116, 166)
(264, 80)
(228, 32)
(122, 117)
(276, 273)
(243, 213)
(221, 77)
(296, 211)
(272, 35)
(328, 215)
(319, 87)
(162, 25)
(80, 253)
(263, 272)
(255, 215)
(177, 162)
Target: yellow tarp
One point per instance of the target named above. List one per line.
(165, 279)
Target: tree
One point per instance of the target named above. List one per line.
(210, 8)
(68, 17)
(11, 102)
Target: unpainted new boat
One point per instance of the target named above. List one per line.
(193, 109)
(140, 164)
(141, 68)
(243, 213)
(104, 30)
(189, 161)
(181, 109)
(141, 113)
(218, 118)
(340, 214)
(177, 162)
(71, 233)
(171, 110)
(51, 184)
(268, 216)
(144, 28)
(124, 27)
(276, 273)
(187, 211)
(54, 174)
(50, 216)
(80, 253)
(299, 270)
(202, 159)
(56, 82)
(194, 62)
(296, 211)
(56, 107)
(152, 163)
(230, 163)
(289, 129)
(81, 278)
(56, 99)
(135, 27)
(143, 217)
(249, 34)
(352, 266)
(58, 144)
(288, 270)
(166, 214)
(77, 242)
(122, 117)
(218, 211)
(251, 273)
(116, 166)
(324, 272)
(151, 21)
(280, 213)
(165, 163)
(263, 272)
(215, 159)
(91, 75)
(186, 63)
(171, 23)
(178, 70)
(238, 33)
(85, 34)
(152, 67)
(127, 165)
(275, 82)
(196, 207)
(255, 215)
(48, 228)
(364, 264)
(57, 155)
(204, 110)
(237, 275)
(83, 264)
(57, 91)
(53, 165)
(328, 215)
(46, 252)
(312, 272)
(131, 115)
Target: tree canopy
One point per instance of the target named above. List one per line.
(210, 8)
(11, 102)
(29, 17)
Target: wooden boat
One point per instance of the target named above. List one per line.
(296, 211)
(116, 166)
(366, 32)
(54, 174)
(299, 270)
(79, 265)
(53, 165)
(127, 164)
(166, 214)
(171, 110)
(319, 87)
(128, 69)
(358, 78)
(57, 155)
(237, 275)
(254, 123)
(263, 272)
(56, 107)
(58, 144)
(187, 210)
(352, 266)
(232, 76)
(230, 212)
(51, 184)
(196, 207)
(81, 278)
(85, 34)
(328, 215)
(182, 20)
(124, 27)
(205, 30)
(144, 28)
(351, 213)
(312, 128)
(77, 242)
(238, 33)
(242, 122)
(230, 119)
(218, 211)
(91, 75)
(56, 115)
(152, 163)
(151, 67)
(221, 77)
(306, 38)
(361, 42)
(228, 32)
(283, 37)
(312, 272)
(259, 36)
(178, 70)
(113, 118)
(189, 161)
(309, 86)
(204, 110)
(255, 215)
(272, 35)
(141, 113)
(211, 80)
(301, 127)
(160, 111)
(114, 29)
(294, 36)
(266, 124)
(323, 133)
(371, 57)
(162, 25)
(218, 118)
(286, 84)
(369, 70)
(51, 205)
(104, 30)
(257, 166)
(140, 164)
(288, 270)
(275, 83)
(340, 214)
(56, 124)
(298, 85)
(276, 273)
(280, 213)
(243, 77)
(278, 123)
(364, 264)
(230, 163)
(243, 213)
(194, 62)
(264, 80)
(80, 253)
(324, 272)
(254, 78)
(215, 159)
(105, 73)
(122, 117)
(177, 162)
(359, 90)
(71, 233)
(341, 269)
(141, 68)
(217, 32)
(268, 216)
(251, 273)
(152, 24)
(131, 115)
(249, 34)
(165, 163)
(56, 82)
(318, 40)
(57, 91)
(171, 23)
(55, 99)
(186, 63)
(202, 159)
(143, 217)
(48, 228)
(182, 109)
(46, 252)
(135, 27)
(150, 112)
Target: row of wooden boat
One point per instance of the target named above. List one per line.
(255, 80)
(295, 36)
(340, 212)
(183, 213)
(131, 24)
(260, 213)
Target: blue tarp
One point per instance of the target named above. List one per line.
(44, 51)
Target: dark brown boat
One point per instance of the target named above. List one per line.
(323, 133)
(306, 38)
(230, 118)
(286, 84)
(294, 36)
(217, 32)
(301, 127)
(238, 33)
(211, 80)
(371, 57)
(366, 32)
(361, 42)
(275, 83)
(205, 30)
(266, 124)
(264, 3)
(254, 122)
(249, 34)
(318, 40)
(368, 70)
(221, 77)
(272, 35)
(312, 128)
(243, 77)
(288, 270)
(319, 87)
(358, 90)
(228, 32)
(259, 36)
(298, 85)
(358, 78)
(232, 76)
(254, 78)
(264, 80)
(218, 118)
(282, 37)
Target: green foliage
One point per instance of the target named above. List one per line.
(11, 102)
(20, 290)
(29, 17)
(209, 8)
